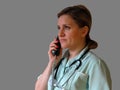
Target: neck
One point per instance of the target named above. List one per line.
(76, 51)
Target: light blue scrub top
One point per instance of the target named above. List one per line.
(93, 74)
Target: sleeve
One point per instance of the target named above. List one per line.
(49, 81)
(39, 76)
(99, 77)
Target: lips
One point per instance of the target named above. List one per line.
(62, 40)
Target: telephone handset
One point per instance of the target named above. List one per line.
(57, 51)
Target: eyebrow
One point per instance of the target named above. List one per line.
(65, 25)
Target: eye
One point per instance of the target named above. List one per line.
(67, 27)
(58, 27)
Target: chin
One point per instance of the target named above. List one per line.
(64, 46)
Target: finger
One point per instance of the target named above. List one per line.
(53, 44)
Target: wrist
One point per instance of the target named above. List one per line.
(51, 62)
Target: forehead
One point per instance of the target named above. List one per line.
(66, 19)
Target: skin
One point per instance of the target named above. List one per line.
(71, 36)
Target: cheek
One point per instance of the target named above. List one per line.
(70, 41)
(74, 38)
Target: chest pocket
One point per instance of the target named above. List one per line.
(78, 81)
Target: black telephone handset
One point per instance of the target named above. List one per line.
(57, 51)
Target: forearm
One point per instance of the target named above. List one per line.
(42, 82)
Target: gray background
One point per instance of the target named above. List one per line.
(28, 26)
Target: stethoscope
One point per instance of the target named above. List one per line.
(78, 60)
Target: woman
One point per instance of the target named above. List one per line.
(79, 68)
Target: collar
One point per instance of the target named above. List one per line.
(70, 61)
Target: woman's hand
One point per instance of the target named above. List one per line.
(53, 46)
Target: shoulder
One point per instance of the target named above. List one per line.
(98, 72)
(96, 63)
(94, 59)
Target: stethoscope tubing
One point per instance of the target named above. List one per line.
(80, 63)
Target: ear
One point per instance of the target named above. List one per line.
(85, 31)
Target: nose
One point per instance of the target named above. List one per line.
(61, 33)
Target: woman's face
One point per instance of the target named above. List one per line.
(70, 34)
